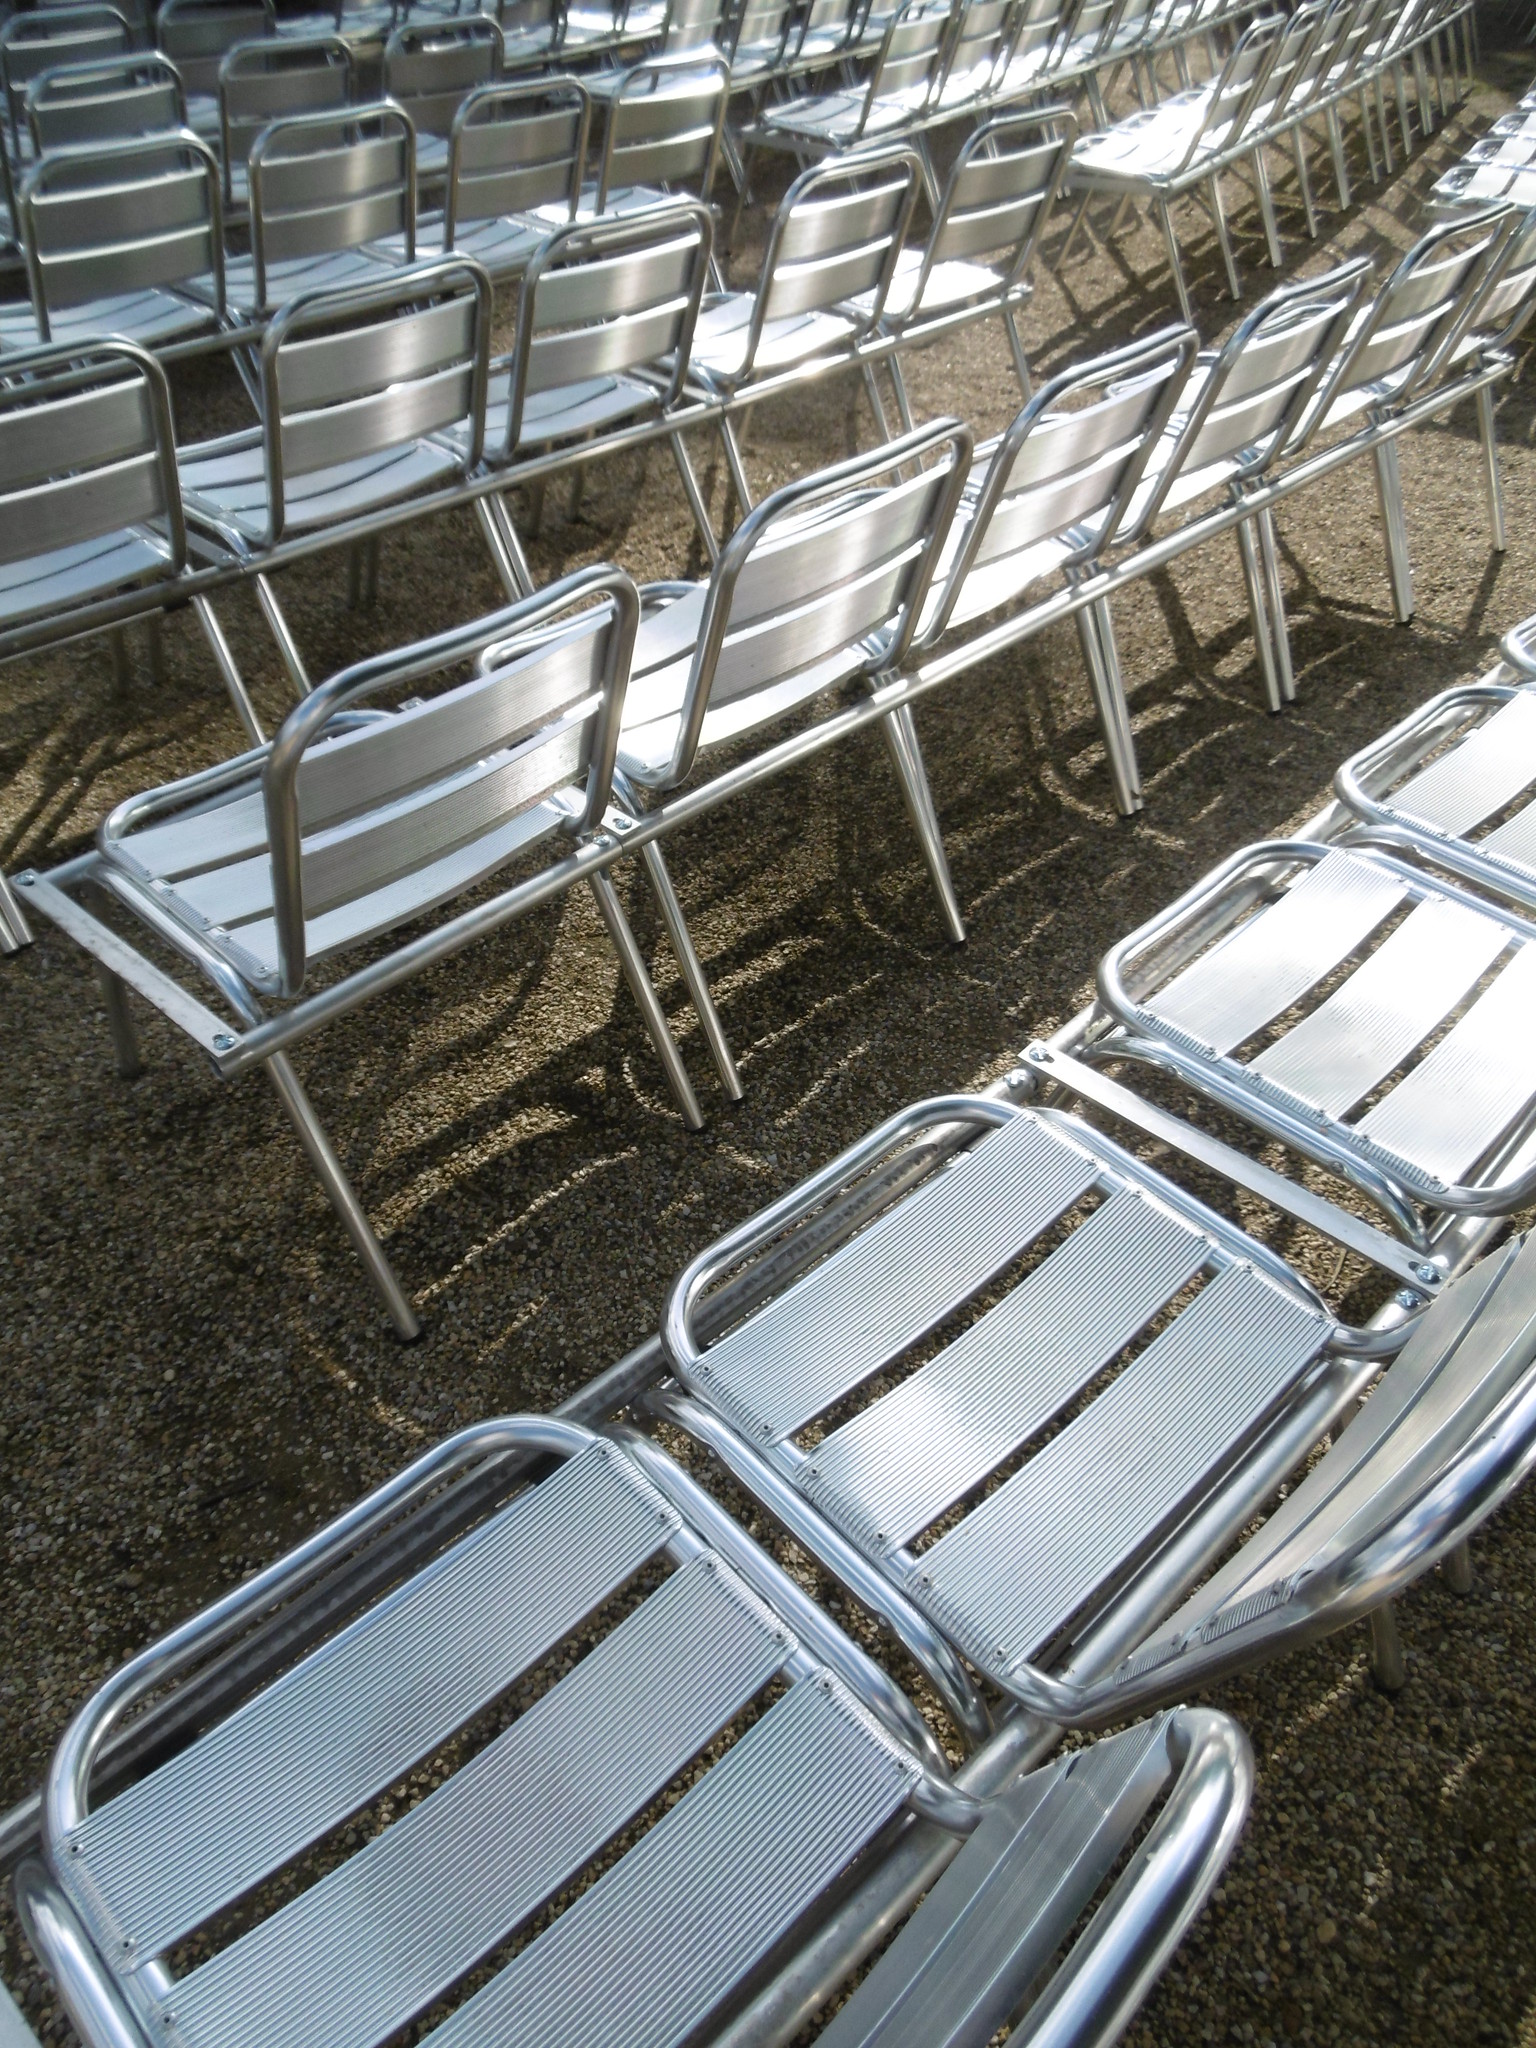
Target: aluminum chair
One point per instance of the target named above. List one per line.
(516, 159)
(663, 124)
(820, 587)
(752, 1762)
(339, 831)
(43, 39)
(1164, 152)
(363, 25)
(429, 68)
(826, 273)
(270, 80)
(125, 239)
(197, 35)
(1049, 497)
(1354, 1006)
(605, 314)
(755, 38)
(987, 227)
(332, 198)
(357, 390)
(1123, 1383)
(1317, 77)
(79, 105)
(905, 79)
(1452, 782)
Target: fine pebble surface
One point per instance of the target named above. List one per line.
(197, 1375)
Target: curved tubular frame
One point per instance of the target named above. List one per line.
(1396, 1193)
(505, 94)
(384, 114)
(658, 71)
(307, 722)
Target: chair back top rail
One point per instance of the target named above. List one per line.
(429, 67)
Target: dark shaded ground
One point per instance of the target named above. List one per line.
(197, 1373)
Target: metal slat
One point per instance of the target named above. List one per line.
(1003, 1581)
(891, 1471)
(391, 1929)
(854, 1313)
(160, 1858)
(1466, 1093)
(655, 1945)
(1390, 1005)
(1278, 954)
(1515, 840)
(1479, 775)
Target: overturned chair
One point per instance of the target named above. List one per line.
(356, 820)
(768, 1784)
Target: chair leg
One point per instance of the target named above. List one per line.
(1218, 214)
(1336, 150)
(1267, 211)
(1368, 130)
(733, 463)
(1114, 726)
(1269, 555)
(503, 545)
(1079, 215)
(654, 1017)
(899, 732)
(876, 402)
(899, 386)
(660, 879)
(341, 1195)
(1304, 182)
(1386, 1650)
(1253, 577)
(282, 633)
(371, 550)
(695, 497)
(125, 1040)
(1381, 122)
(122, 661)
(154, 640)
(1492, 483)
(1165, 216)
(15, 932)
(1109, 654)
(1016, 349)
(1389, 495)
(213, 633)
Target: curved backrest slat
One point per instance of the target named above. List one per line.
(120, 219)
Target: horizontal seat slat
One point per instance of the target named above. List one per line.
(1466, 1093)
(161, 1857)
(1478, 776)
(1271, 961)
(896, 1467)
(419, 1905)
(1006, 1579)
(1369, 1025)
(646, 1954)
(906, 1272)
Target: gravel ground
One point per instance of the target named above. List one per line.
(199, 1375)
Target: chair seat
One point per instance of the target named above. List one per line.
(565, 411)
(502, 244)
(300, 274)
(839, 117)
(62, 578)
(431, 155)
(1150, 144)
(152, 318)
(720, 339)
(225, 483)
(659, 677)
(948, 286)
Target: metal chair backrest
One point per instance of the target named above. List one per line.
(87, 449)
(47, 37)
(542, 21)
(1256, 389)
(1299, 44)
(274, 79)
(824, 27)
(1066, 470)
(601, 298)
(80, 104)
(664, 127)
(348, 818)
(1504, 302)
(758, 31)
(1418, 309)
(837, 565)
(1238, 91)
(129, 217)
(836, 237)
(1323, 66)
(999, 194)
(691, 25)
(430, 66)
(515, 148)
(321, 182)
(1037, 27)
(913, 58)
(365, 368)
(981, 42)
(197, 35)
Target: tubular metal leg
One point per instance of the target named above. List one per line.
(15, 932)
(1247, 547)
(371, 549)
(341, 1195)
(1079, 215)
(1166, 217)
(660, 879)
(1218, 214)
(506, 550)
(876, 403)
(1457, 1566)
(1369, 133)
(1121, 775)
(1389, 494)
(899, 731)
(1016, 348)
(1304, 181)
(122, 662)
(1340, 165)
(354, 576)
(899, 386)
(1269, 555)
(733, 463)
(154, 637)
(1109, 654)
(213, 633)
(1386, 1649)
(1267, 211)
(125, 1040)
(287, 646)
(1381, 122)
(695, 497)
(1492, 482)
(578, 490)
(630, 959)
